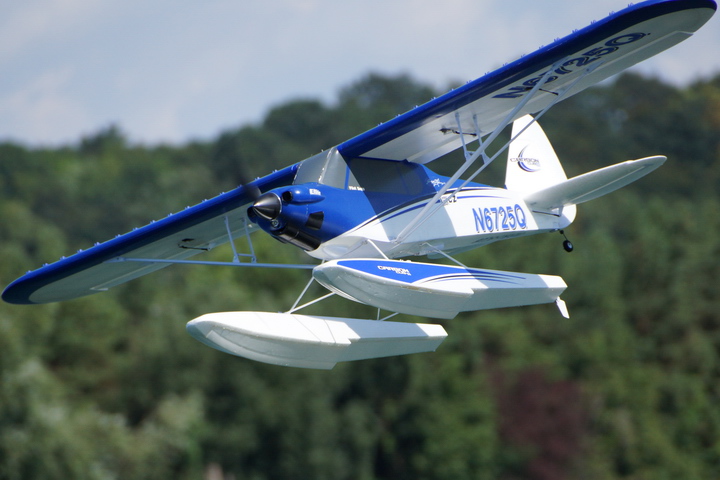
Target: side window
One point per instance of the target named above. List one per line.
(382, 176)
(387, 177)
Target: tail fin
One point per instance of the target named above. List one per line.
(532, 163)
(534, 171)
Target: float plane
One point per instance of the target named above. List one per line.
(366, 206)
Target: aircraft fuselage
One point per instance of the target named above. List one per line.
(331, 223)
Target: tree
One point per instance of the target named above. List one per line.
(111, 385)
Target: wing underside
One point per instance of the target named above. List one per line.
(567, 66)
(176, 237)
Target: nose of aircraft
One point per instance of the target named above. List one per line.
(268, 206)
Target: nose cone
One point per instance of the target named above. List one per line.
(268, 206)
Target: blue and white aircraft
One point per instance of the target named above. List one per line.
(367, 203)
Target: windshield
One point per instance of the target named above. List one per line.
(327, 168)
(382, 176)
(385, 176)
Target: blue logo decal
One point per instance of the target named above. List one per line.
(398, 270)
(526, 163)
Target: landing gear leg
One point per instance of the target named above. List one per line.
(567, 244)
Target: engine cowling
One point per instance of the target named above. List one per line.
(291, 215)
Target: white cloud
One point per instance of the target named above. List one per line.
(170, 70)
(42, 109)
(38, 24)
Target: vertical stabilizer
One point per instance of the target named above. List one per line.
(532, 162)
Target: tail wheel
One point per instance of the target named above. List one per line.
(567, 244)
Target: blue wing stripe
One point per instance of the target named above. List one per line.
(22, 289)
(513, 72)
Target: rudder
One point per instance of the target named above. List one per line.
(532, 162)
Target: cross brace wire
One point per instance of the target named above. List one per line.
(436, 202)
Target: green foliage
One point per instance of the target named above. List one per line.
(111, 386)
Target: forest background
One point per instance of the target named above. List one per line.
(111, 386)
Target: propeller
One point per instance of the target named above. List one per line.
(264, 208)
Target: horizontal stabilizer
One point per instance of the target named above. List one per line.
(592, 185)
(311, 342)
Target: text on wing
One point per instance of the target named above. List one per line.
(574, 64)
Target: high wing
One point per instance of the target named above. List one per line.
(572, 64)
(176, 237)
(528, 85)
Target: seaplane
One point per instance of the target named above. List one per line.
(367, 207)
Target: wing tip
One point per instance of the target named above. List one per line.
(18, 293)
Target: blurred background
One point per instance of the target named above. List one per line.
(111, 386)
(170, 71)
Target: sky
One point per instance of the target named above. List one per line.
(172, 71)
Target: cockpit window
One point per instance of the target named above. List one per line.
(388, 177)
(382, 176)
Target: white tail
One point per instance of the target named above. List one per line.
(532, 163)
(534, 170)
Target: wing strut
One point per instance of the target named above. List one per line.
(415, 222)
(236, 255)
(295, 307)
(471, 157)
(223, 264)
(235, 262)
(559, 96)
